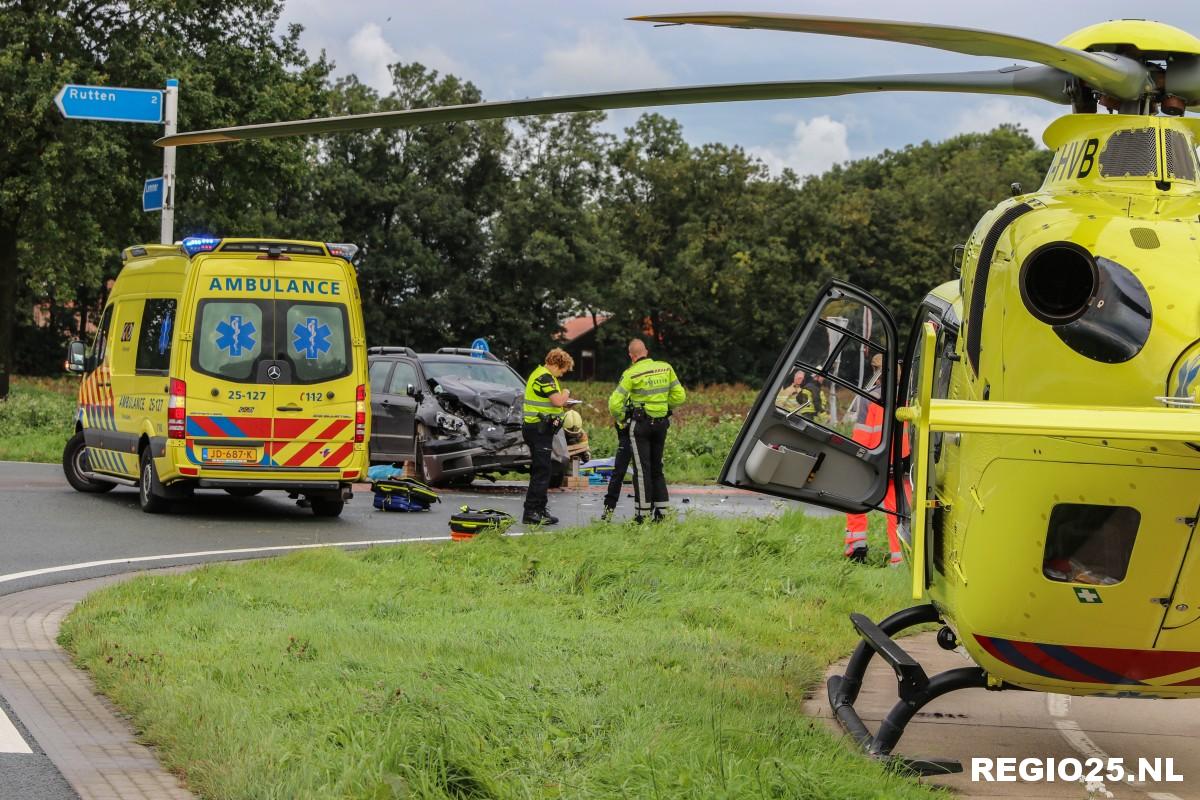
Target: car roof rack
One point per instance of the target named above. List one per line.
(392, 351)
(466, 351)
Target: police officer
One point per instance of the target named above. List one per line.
(621, 460)
(652, 391)
(545, 400)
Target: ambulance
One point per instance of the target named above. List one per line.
(228, 364)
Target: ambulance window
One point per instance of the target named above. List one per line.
(228, 338)
(1089, 543)
(101, 340)
(317, 341)
(154, 344)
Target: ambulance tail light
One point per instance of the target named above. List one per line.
(360, 414)
(177, 409)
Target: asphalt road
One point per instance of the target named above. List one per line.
(46, 525)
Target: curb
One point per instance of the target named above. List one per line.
(86, 738)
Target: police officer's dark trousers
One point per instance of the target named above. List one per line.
(649, 437)
(540, 437)
(620, 466)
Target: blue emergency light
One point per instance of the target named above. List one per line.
(200, 244)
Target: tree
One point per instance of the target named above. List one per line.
(69, 188)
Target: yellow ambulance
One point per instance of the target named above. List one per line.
(234, 364)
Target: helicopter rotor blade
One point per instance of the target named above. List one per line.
(1042, 82)
(1113, 74)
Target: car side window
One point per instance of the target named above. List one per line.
(403, 376)
(154, 342)
(379, 375)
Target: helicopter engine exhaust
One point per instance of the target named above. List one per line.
(1096, 306)
(1058, 281)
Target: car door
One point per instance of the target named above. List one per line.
(380, 372)
(821, 428)
(400, 408)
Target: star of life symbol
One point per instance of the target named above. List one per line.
(235, 335)
(312, 338)
(1085, 595)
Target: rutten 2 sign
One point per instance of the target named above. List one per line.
(110, 103)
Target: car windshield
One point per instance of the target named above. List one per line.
(474, 370)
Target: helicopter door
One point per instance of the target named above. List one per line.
(820, 430)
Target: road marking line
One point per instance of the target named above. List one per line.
(11, 740)
(1162, 796)
(32, 573)
(1059, 705)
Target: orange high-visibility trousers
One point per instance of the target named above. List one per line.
(867, 433)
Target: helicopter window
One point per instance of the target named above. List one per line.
(1090, 543)
(837, 377)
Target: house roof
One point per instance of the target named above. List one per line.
(574, 327)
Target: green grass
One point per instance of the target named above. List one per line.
(658, 662)
(37, 418)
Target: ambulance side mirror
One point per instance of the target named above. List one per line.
(76, 357)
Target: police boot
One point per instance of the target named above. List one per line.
(659, 516)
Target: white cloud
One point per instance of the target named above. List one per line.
(816, 145)
(435, 57)
(989, 114)
(597, 63)
(370, 55)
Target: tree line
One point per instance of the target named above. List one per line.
(487, 229)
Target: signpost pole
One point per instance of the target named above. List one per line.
(170, 118)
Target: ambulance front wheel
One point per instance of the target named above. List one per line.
(76, 468)
(148, 498)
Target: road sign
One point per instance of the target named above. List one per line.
(110, 103)
(480, 345)
(153, 194)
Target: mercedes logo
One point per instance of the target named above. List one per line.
(273, 372)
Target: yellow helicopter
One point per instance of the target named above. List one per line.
(1042, 435)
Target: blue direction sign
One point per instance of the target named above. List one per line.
(110, 103)
(480, 346)
(153, 194)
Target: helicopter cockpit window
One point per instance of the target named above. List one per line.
(836, 380)
(1090, 543)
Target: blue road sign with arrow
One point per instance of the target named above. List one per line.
(110, 103)
(480, 346)
(153, 194)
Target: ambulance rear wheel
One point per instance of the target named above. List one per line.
(324, 507)
(148, 480)
(75, 467)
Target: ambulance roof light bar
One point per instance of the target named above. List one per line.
(344, 250)
(200, 244)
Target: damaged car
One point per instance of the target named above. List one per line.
(454, 414)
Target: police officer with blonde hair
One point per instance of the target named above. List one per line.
(651, 390)
(545, 402)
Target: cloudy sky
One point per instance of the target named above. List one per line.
(530, 48)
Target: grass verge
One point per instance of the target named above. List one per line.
(664, 661)
(37, 418)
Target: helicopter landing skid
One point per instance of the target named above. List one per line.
(915, 688)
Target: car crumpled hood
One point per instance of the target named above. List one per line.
(492, 401)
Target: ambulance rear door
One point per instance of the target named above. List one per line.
(230, 393)
(316, 347)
